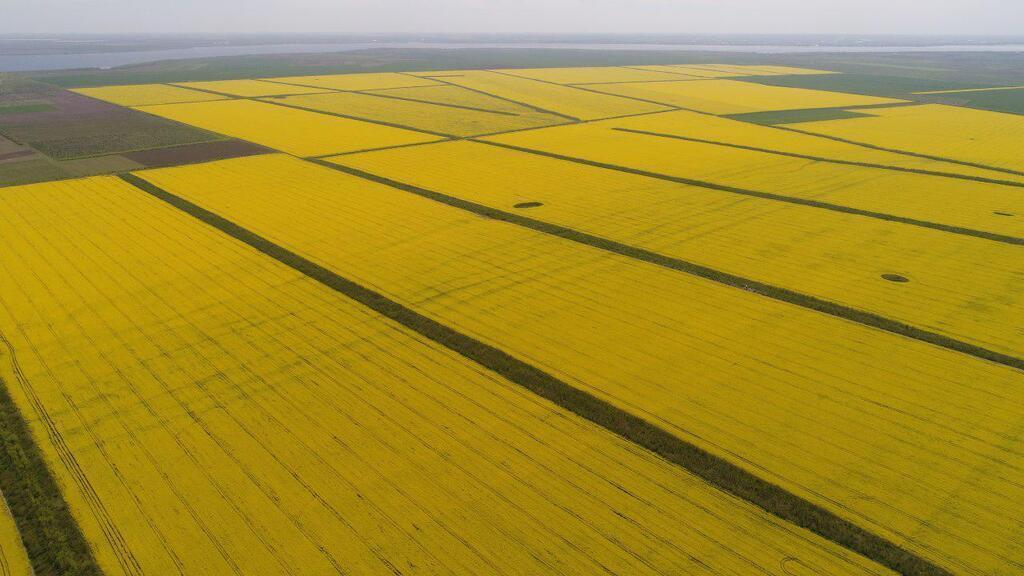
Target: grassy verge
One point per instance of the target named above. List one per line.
(55, 545)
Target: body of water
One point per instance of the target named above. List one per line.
(32, 62)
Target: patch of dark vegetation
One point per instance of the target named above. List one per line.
(717, 471)
(24, 107)
(866, 84)
(194, 153)
(75, 126)
(28, 171)
(796, 116)
(1008, 101)
(895, 278)
(55, 545)
(528, 205)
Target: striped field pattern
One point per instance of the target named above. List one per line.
(652, 319)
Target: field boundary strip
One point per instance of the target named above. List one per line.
(715, 470)
(53, 541)
(921, 171)
(770, 195)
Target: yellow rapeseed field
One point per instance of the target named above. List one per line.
(688, 71)
(147, 94)
(565, 100)
(457, 96)
(936, 199)
(964, 287)
(13, 559)
(916, 441)
(978, 136)
(433, 118)
(735, 97)
(754, 70)
(251, 88)
(208, 410)
(729, 131)
(290, 130)
(595, 74)
(371, 81)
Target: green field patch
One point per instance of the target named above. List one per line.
(24, 107)
(772, 118)
(866, 84)
(29, 172)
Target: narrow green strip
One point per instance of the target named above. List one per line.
(715, 470)
(53, 540)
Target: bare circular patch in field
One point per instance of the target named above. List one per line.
(895, 278)
(528, 205)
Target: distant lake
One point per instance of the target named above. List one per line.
(21, 63)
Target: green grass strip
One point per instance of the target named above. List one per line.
(715, 470)
(52, 539)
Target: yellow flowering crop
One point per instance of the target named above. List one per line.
(955, 202)
(735, 97)
(218, 412)
(979, 136)
(147, 94)
(290, 130)
(911, 439)
(565, 100)
(592, 75)
(371, 81)
(422, 116)
(251, 88)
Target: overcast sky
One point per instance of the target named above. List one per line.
(781, 16)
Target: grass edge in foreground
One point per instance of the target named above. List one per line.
(715, 470)
(53, 540)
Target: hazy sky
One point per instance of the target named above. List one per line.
(783, 16)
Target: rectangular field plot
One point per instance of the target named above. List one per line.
(977, 136)
(147, 94)
(250, 88)
(745, 134)
(434, 118)
(967, 288)
(914, 440)
(596, 74)
(933, 199)
(287, 129)
(372, 81)
(209, 410)
(571, 102)
(735, 97)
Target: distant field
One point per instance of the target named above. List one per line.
(621, 317)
